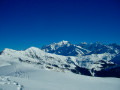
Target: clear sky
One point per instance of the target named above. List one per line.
(25, 23)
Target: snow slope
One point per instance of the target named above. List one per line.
(26, 76)
(47, 80)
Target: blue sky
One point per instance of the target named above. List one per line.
(25, 23)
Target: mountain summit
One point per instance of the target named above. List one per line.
(65, 48)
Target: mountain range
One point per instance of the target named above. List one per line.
(93, 59)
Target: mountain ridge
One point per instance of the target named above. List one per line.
(81, 48)
(85, 63)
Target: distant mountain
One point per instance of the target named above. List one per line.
(99, 48)
(116, 59)
(65, 48)
(114, 45)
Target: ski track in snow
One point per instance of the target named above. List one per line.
(4, 80)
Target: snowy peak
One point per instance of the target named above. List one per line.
(65, 48)
(99, 48)
(33, 49)
(7, 51)
(63, 43)
(55, 46)
(60, 44)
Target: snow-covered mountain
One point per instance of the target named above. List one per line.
(65, 48)
(98, 48)
(36, 56)
(66, 57)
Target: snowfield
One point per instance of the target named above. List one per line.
(48, 80)
(15, 75)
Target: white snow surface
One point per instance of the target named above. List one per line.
(24, 76)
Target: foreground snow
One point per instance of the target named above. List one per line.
(47, 80)
(50, 80)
